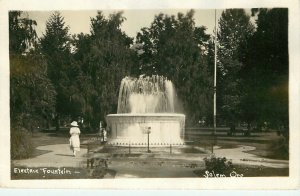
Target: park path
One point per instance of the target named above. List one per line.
(239, 155)
(59, 155)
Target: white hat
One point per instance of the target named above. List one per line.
(74, 124)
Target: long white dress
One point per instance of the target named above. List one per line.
(74, 139)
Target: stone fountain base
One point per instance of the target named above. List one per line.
(164, 129)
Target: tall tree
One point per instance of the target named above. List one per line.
(55, 45)
(172, 48)
(266, 70)
(30, 103)
(105, 58)
(235, 29)
(32, 96)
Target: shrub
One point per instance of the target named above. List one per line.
(219, 165)
(280, 149)
(21, 144)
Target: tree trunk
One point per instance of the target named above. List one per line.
(57, 123)
(248, 126)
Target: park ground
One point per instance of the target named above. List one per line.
(255, 155)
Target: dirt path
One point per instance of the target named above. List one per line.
(59, 155)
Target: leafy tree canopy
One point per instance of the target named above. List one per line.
(171, 47)
(22, 34)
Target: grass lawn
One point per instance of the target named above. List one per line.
(269, 145)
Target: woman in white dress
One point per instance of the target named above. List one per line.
(74, 139)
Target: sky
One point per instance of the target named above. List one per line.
(79, 21)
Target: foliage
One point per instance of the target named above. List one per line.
(280, 148)
(105, 58)
(22, 34)
(82, 73)
(266, 70)
(235, 29)
(21, 145)
(171, 47)
(55, 45)
(219, 165)
(30, 103)
(56, 38)
(32, 93)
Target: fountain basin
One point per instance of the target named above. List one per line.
(132, 129)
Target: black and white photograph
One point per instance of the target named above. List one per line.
(186, 93)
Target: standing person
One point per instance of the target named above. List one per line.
(74, 139)
(104, 134)
(100, 131)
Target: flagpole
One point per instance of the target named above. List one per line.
(215, 75)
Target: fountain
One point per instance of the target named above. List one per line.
(146, 114)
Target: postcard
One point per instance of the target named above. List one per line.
(150, 94)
